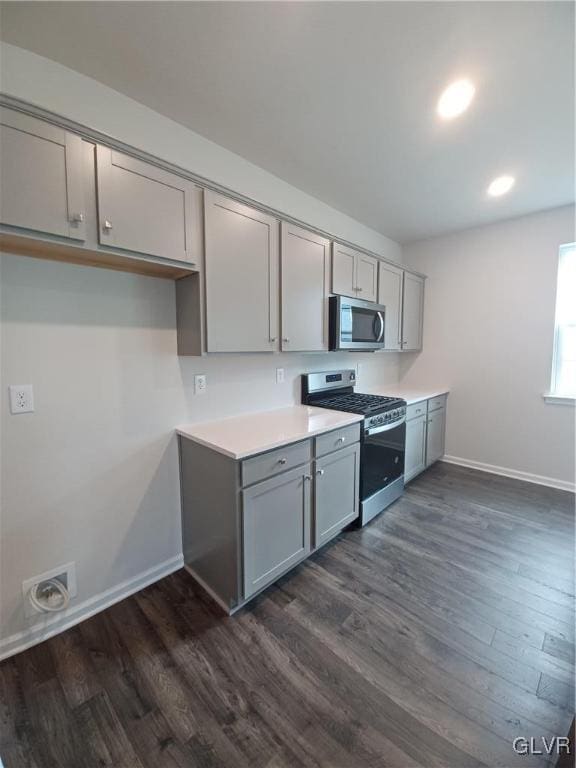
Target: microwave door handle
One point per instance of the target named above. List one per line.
(381, 334)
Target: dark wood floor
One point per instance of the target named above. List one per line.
(433, 637)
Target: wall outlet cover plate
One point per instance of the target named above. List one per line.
(21, 398)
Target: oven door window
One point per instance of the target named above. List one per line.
(382, 459)
(359, 324)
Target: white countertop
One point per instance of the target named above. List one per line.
(410, 394)
(251, 433)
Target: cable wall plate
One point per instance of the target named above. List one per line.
(65, 573)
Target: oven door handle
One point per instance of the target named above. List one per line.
(385, 428)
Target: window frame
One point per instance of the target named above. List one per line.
(553, 395)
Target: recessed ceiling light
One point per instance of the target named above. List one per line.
(501, 185)
(455, 99)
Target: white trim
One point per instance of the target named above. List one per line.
(53, 625)
(209, 590)
(550, 397)
(528, 477)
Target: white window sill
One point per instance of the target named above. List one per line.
(550, 397)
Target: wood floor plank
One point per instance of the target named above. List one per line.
(429, 639)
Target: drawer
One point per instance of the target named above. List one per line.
(416, 409)
(436, 402)
(331, 441)
(268, 464)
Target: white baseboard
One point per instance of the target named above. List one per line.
(552, 482)
(53, 625)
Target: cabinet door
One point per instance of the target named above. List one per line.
(276, 527)
(146, 209)
(304, 275)
(343, 271)
(366, 277)
(415, 457)
(435, 436)
(336, 492)
(241, 277)
(412, 311)
(390, 294)
(41, 183)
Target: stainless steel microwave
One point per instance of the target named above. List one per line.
(356, 324)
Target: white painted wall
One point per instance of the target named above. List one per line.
(489, 308)
(92, 475)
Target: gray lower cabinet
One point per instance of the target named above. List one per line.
(276, 526)
(247, 522)
(436, 428)
(41, 184)
(425, 432)
(336, 492)
(415, 456)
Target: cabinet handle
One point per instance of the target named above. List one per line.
(107, 225)
(286, 340)
(307, 477)
(341, 440)
(272, 339)
(319, 471)
(359, 290)
(282, 461)
(77, 218)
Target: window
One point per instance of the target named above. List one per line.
(564, 360)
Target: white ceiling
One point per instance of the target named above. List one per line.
(339, 98)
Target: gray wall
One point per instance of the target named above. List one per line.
(490, 301)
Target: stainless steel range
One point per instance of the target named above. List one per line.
(383, 435)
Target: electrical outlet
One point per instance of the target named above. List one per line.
(21, 398)
(200, 384)
(64, 573)
(279, 375)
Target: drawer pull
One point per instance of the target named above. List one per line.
(307, 477)
(282, 461)
(341, 440)
(319, 471)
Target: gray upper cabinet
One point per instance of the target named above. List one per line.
(276, 526)
(354, 273)
(366, 277)
(146, 209)
(435, 435)
(336, 492)
(412, 312)
(241, 262)
(305, 267)
(390, 294)
(41, 186)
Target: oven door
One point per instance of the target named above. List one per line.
(356, 324)
(382, 457)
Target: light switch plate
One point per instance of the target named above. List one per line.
(279, 375)
(21, 398)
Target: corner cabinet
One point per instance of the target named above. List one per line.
(354, 273)
(247, 522)
(41, 183)
(425, 432)
(305, 271)
(402, 293)
(241, 264)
